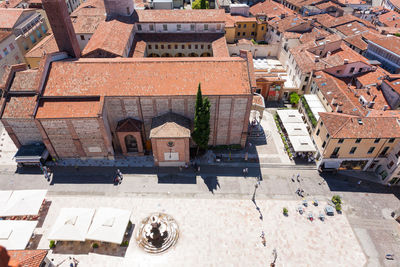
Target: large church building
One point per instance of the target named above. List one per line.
(132, 89)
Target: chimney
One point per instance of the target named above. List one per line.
(373, 99)
(328, 54)
(61, 25)
(371, 104)
(333, 102)
(316, 59)
(385, 107)
(345, 61)
(339, 107)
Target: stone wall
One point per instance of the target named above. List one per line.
(73, 138)
(25, 130)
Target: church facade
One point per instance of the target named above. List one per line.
(105, 107)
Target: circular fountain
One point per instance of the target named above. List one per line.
(157, 233)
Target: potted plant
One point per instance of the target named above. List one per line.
(285, 211)
(95, 245)
(338, 207)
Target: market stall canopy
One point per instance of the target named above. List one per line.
(302, 143)
(109, 225)
(296, 129)
(23, 202)
(4, 197)
(16, 234)
(72, 224)
(290, 116)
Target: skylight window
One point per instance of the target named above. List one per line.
(349, 25)
(360, 121)
(396, 83)
(323, 84)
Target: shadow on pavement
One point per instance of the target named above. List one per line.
(345, 183)
(176, 179)
(211, 181)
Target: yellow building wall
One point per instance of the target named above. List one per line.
(25, 43)
(230, 34)
(245, 30)
(348, 143)
(260, 32)
(33, 62)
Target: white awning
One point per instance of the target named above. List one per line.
(296, 129)
(290, 116)
(109, 225)
(302, 143)
(4, 196)
(72, 224)
(23, 202)
(16, 234)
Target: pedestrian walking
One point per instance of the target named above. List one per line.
(119, 174)
(298, 176)
(244, 172)
(359, 182)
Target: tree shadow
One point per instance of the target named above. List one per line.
(211, 181)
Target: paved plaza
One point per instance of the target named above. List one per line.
(220, 232)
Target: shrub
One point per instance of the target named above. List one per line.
(397, 34)
(285, 211)
(95, 245)
(338, 207)
(125, 243)
(294, 98)
(336, 199)
(253, 41)
(52, 244)
(308, 111)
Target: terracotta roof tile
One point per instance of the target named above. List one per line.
(10, 16)
(184, 16)
(87, 23)
(10, 4)
(287, 23)
(347, 126)
(313, 35)
(20, 106)
(326, 5)
(220, 48)
(91, 8)
(357, 41)
(148, 76)
(69, 108)
(45, 46)
(239, 18)
(28, 258)
(4, 35)
(111, 36)
(391, 43)
(390, 19)
(352, 28)
(24, 81)
(271, 9)
(170, 125)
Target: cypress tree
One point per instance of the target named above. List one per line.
(201, 130)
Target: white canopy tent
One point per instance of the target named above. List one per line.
(23, 202)
(296, 129)
(72, 224)
(290, 116)
(315, 105)
(4, 196)
(302, 143)
(109, 225)
(16, 234)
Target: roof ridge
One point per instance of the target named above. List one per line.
(341, 127)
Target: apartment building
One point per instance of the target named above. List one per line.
(9, 52)
(385, 49)
(27, 25)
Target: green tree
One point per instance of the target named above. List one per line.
(200, 4)
(294, 98)
(201, 132)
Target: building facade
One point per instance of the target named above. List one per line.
(9, 52)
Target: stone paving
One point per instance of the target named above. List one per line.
(223, 233)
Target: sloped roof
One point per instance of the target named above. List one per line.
(129, 125)
(10, 16)
(46, 45)
(24, 81)
(184, 16)
(27, 258)
(170, 125)
(4, 35)
(111, 36)
(271, 9)
(348, 126)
